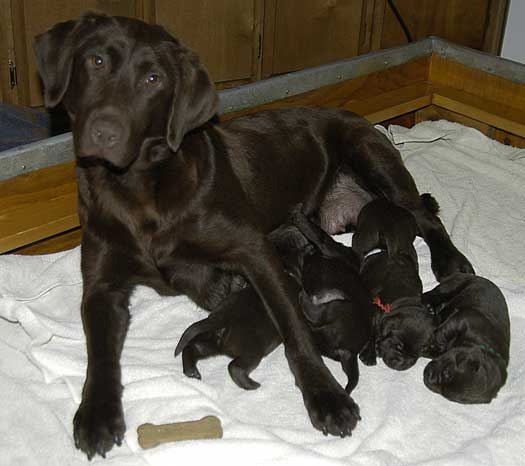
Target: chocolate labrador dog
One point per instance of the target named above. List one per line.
(171, 199)
(402, 324)
(471, 343)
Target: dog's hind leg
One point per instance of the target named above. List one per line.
(240, 369)
(202, 347)
(373, 159)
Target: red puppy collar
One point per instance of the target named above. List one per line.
(384, 307)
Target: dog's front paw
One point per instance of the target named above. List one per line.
(332, 411)
(98, 426)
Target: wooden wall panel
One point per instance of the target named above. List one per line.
(222, 32)
(31, 17)
(434, 113)
(476, 82)
(508, 139)
(60, 242)
(459, 21)
(312, 32)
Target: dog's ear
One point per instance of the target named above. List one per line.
(195, 100)
(54, 59)
(54, 50)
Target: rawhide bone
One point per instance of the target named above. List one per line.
(151, 435)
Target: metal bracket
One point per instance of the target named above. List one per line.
(13, 80)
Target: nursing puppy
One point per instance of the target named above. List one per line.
(336, 302)
(239, 327)
(471, 343)
(402, 324)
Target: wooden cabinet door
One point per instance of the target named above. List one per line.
(31, 17)
(225, 33)
(474, 23)
(303, 33)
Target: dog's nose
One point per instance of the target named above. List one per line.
(106, 132)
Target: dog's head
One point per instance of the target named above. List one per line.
(124, 84)
(467, 374)
(401, 334)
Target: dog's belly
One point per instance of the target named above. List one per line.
(342, 203)
(296, 156)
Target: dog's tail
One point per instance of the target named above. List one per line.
(215, 321)
(430, 203)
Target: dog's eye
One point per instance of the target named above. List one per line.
(153, 78)
(96, 61)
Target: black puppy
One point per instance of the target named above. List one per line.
(239, 327)
(336, 302)
(471, 343)
(402, 324)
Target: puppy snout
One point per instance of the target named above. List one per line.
(106, 132)
(399, 362)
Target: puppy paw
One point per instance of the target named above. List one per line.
(332, 411)
(98, 425)
(192, 372)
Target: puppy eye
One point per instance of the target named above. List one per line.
(96, 61)
(153, 78)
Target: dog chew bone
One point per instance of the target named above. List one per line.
(151, 435)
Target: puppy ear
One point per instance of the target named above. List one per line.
(54, 59)
(195, 100)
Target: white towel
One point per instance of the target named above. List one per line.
(43, 353)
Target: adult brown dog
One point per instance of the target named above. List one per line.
(172, 200)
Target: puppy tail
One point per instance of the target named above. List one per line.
(430, 203)
(214, 321)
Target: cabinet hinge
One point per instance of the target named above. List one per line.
(13, 80)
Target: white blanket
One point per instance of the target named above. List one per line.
(479, 184)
